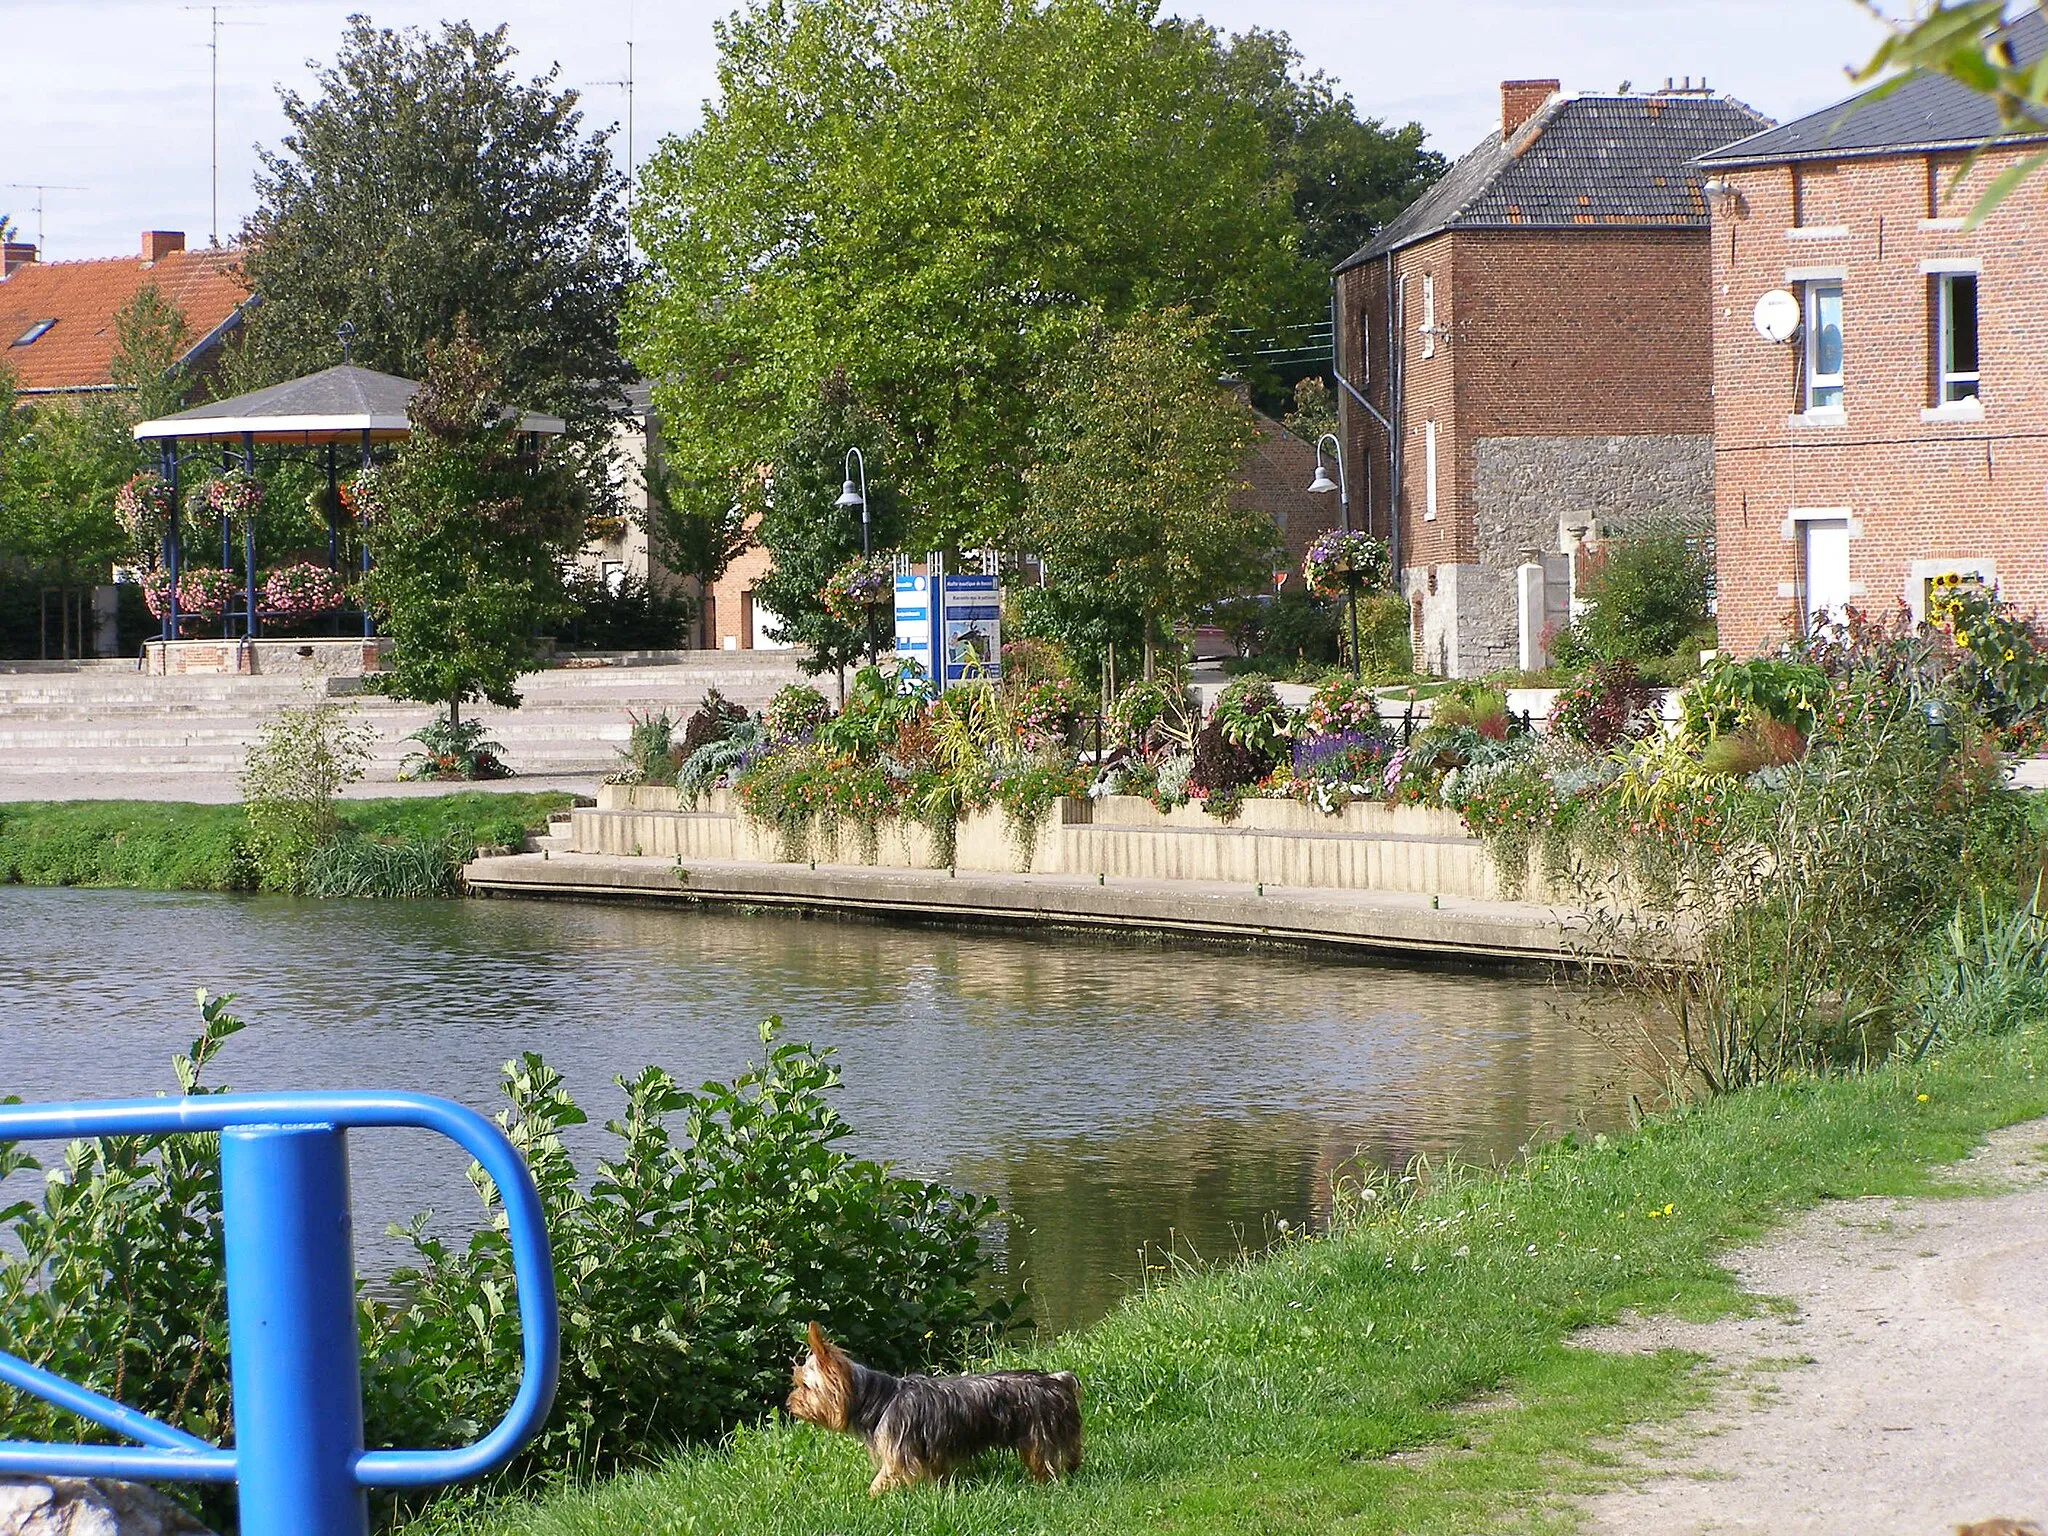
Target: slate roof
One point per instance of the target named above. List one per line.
(83, 297)
(1585, 160)
(1927, 112)
(333, 402)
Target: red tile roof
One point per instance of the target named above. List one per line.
(83, 296)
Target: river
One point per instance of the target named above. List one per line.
(1115, 1096)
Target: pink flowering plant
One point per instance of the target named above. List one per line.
(204, 592)
(235, 495)
(1340, 704)
(145, 506)
(1341, 561)
(303, 590)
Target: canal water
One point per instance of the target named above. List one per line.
(1116, 1097)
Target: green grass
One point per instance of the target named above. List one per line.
(175, 846)
(1413, 1374)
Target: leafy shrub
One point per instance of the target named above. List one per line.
(1646, 596)
(1150, 718)
(1250, 715)
(303, 757)
(796, 710)
(1290, 629)
(1034, 660)
(1221, 766)
(724, 759)
(651, 754)
(1985, 971)
(453, 750)
(622, 613)
(1484, 710)
(687, 1266)
(1730, 692)
(877, 705)
(2005, 666)
(714, 720)
(1604, 707)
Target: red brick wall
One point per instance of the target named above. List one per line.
(1550, 333)
(1915, 490)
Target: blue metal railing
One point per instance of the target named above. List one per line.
(298, 1461)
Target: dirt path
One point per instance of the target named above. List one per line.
(1906, 1393)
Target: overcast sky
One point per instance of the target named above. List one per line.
(112, 96)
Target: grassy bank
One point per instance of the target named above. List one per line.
(174, 846)
(1412, 1374)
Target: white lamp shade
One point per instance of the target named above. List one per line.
(1322, 484)
(851, 496)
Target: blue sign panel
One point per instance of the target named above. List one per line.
(914, 622)
(959, 620)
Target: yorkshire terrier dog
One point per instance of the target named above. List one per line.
(918, 1428)
(2000, 1528)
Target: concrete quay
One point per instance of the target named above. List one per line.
(1360, 922)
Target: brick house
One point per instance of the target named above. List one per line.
(1889, 427)
(57, 318)
(1533, 344)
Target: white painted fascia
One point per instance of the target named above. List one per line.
(1789, 529)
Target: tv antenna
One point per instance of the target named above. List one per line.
(626, 85)
(39, 188)
(213, 26)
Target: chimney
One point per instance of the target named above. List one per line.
(1520, 100)
(159, 243)
(14, 254)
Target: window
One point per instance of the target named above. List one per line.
(1429, 471)
(1428, 316)
(34, 332)
(1823, 346)
(1955, 297)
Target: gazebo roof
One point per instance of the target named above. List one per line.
(336, 405)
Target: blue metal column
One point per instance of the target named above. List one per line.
(292, 1330)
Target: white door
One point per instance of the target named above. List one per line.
(765, 623)
(1827, 571)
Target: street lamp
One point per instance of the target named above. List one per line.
(1322, 485)
(857, 496)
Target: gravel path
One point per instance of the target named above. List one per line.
(1906, 1393)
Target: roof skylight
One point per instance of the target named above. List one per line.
(34, 332)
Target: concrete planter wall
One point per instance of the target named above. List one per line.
(1419, 850)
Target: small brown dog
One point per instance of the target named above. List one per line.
(2000, 1528)
(918, 1428)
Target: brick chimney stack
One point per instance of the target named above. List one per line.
(159, 243)
(1520, 100)
(13, 254)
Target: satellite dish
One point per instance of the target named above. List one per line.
(1777, 316)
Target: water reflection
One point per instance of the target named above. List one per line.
(1108, 1093)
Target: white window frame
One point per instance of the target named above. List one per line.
(1816, 381)
(1920, 573)
(1947, 378)
(1429, 471)
(1429, 314)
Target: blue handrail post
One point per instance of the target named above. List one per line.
(292, 1330)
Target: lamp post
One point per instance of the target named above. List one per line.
(1322, 486)
(857, 496)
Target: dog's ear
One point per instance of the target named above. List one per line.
(819, 1347)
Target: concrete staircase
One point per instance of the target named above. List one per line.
(115, 725)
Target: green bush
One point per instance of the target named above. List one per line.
(687, 1267)
(303, 757)
(138, 845)
(622, 614)
(652, 753)
(1646, 597)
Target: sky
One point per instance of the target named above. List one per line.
(109, 101)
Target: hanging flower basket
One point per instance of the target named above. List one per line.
(235, 495)
(858, 587)
(303, 590)
(203, 592)
(144, 506)
(362, 496)
(1340, 562)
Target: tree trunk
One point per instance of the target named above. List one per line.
(454, 710)
(1148, 649)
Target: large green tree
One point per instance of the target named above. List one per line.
(932, 197)
(1132, 495)
(423, 181)
(1349, 176)
(466, 533)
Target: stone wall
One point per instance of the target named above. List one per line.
(1469, 618)
(1522, 486)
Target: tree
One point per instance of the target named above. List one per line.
(1131, 495)
(1350, 177)
(806, 532)
(932, 197)
(466, 532)
(423, 183)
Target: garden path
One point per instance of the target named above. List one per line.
(1907, 1390)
